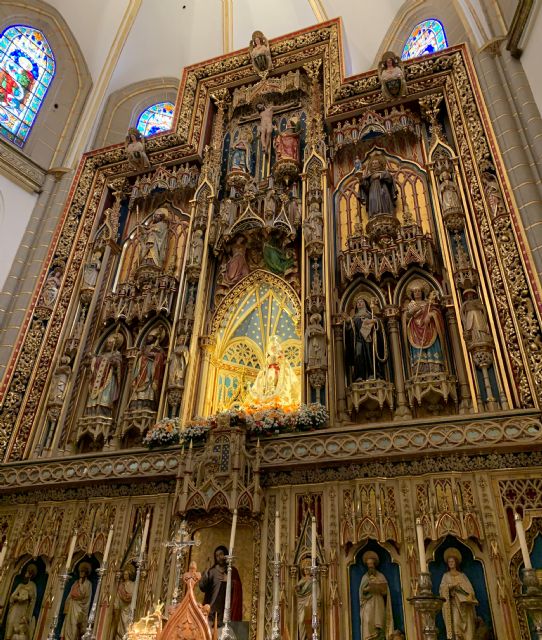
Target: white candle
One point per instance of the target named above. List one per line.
(277, 534)
(233, 528)
(71, 550)
(3, 553)
(522, 541)
(313, 541)
(421, 545)
(108, 544)
(144, 538)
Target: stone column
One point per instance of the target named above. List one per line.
(526, 108)
(465, 403)
(517, 152)
(402, 411)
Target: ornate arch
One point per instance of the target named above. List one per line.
(413, 197)
(260, 306)
(257, 276)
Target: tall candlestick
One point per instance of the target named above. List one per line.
(421, 545)
(522, 541)
(71, 550)
(233, 528)
(313, 541)
(108, 544)
(277, 534)
(144, 538)
(3, 553)
(139, 564)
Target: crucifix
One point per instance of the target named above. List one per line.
(179, 543)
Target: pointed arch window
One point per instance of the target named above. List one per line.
(426, 37)
(27, 68)
(158, 117)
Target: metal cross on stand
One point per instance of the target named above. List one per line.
(179, 543)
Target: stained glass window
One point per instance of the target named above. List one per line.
(427, 37)
(158, 117)
(27, 67)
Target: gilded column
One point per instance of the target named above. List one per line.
(465, 404)
(340, 388)
(206, 344)
(402, 411)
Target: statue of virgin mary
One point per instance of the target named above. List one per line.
(276, 385)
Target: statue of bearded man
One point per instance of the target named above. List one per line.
(375, 601)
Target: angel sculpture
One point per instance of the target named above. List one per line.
(392, 76)
(135, 150)
(260, 54)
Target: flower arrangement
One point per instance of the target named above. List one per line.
(164, 433)
(311, 416)
(258, 422)
(238, 417)
(168, 432)
(195, 432)
(271, 419)
(268, 421)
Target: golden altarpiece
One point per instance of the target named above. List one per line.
(348, 244)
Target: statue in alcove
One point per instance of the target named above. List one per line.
(20, 618)
(154, 243)
(377, 187)
(375, 601)
(365, 342)
(287, 142)
(226, 214)
(237, 267)
(315, 345)
(303, 592)
(392, 76)
(313, 224)
(423, 325)
(474, 318)
(59, 381)
(276, 384)
(51, 288)
(260, 54)
(105, 372)
(91, 270)
(148, 371)
(77, 604)
(240, 158)
(179, 363)
(270, 206)
(122, 602)
(449, 195)
(459, 608)
(196, 248)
